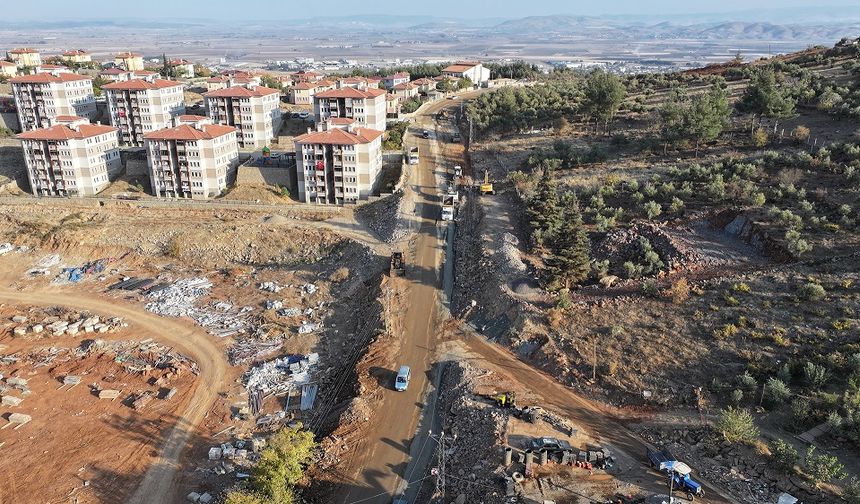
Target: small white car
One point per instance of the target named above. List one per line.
(402, 381)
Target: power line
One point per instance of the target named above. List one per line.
(409, 484)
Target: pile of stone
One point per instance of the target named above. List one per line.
(178, 299)
(70, 323)
(270, 287)
(383, 217)
(508, 258)
(622, 245)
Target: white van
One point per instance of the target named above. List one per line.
(402, 380)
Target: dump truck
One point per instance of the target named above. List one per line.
(413, 156)
(398, 268)
(679, 472)
(449, 200)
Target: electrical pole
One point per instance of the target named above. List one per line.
(594, 362)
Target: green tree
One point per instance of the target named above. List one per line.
(765, 95)
(465, 83)
(239, 497)
(271, 82)
(166, 69)
(570, 262)
(98, 82)
(544, 211)
(737, 426)
(822, 467)
(604, 93)
(202, 71)
(784, 456)
(707, 116)
(671, 118)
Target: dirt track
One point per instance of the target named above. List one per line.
(158, 484)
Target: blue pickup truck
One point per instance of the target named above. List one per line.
(679, 472)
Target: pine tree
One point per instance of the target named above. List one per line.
(570, 262)
(766, 96)
(165, 67)
(707, 115)
(544, 211)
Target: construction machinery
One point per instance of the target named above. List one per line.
(679, 473)
(398, 268)
(413, 156)
(503, 399)
(487, 186)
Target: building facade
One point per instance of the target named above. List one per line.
(141, 106)
(77, 56)
(392, 80)
(129, 60)
(338, 164)
(8, 69)
(41, 97)
(366, 106)
(472, 70)
(71, 158)
(193, 159)
(24, 57)
(253, 110)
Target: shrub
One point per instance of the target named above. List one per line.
(851, 491)
(854, 363)
(652, 210)
(811, 291)
(784, 456)
(814, 375)
(737, 396)
(747, 381)
(741, 287)
(799, 409)
(822, 467)
(737, 426)
(632, 270)
(759, 137)
(834, 421)
(841, 325)
(727, 331)
(649, 288)
(730, 300)
(339, 274)
(600, 268)
(776, 391)
(800, 134)
(680, 291)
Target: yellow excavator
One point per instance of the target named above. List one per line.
(487, 186)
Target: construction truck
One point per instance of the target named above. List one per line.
(449, 200)
(487, 186)
(413, 156)
(679, 473)
(398, 268)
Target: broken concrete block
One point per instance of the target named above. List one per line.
(20, 330)
(193, 497)
(19, 319)
(38, 328)
(142, 400)
(108, 394)
(169, 395)
(17, 382)
(215, 453)
(88, 328)
(10, 400)
(19, 418)
(102, 328)
(71, 380)
(206, 498)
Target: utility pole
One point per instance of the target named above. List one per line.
(594, 361)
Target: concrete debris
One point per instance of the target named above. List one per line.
(48, 261)
(221, 318)
(270, 287)
(384, 217)
(309, 288)
(215, 453)
(290, 312)
(205, 498)
(251, 349)
(5, 248)
(169, 394)
(11, 401)
(274, 305)
(142, 400)
(19, 418)
(308, 328)
(19, 319)
(178, 299)
(71, 380)
(509, 258)
(108, 394)
(281, 375)
(18, 383)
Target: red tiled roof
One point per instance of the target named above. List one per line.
(375, 79)
(324, 83)
(75, 52)
(187, 132)
(217, 79)
(63, 132)
(114, 71)
(305, 86)
(391, 97)
(53, 67)
(460, 67)
(404, 85)
(399, 75)
(241, 92)
(44, 78)
(144, 72)
(423, 81)
(192, 117)
(339, 137)
(23, 50)
(140, 85)
(342, 120)
(68, 118)
(349, 92)
(129, 55)
(7, 63)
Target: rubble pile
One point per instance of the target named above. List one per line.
(280, 375)
(475, 460)
(251, 349)
(178, 298)
(61, 322)
(383, 217)
(509, 256)
(746, 475)
(221, 318)
(622, 245)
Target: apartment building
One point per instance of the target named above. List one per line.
(130, 61)
(390, 81)
(303, 93)
(253, 110)
(193, 159)
(307, 76)
(184, 68)
(366, 106)
(8, 69)
(338, 164)
(77, 56)
(237, 79)
(405, 91)
(140, 106)
(24, 57)
(71, 158)
(48, 68)
(472, 70)
(41, 97)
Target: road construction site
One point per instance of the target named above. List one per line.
(263, 317)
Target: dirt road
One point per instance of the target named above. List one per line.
(158, 484)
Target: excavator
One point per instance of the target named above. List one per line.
(487, 186)
(503, 399)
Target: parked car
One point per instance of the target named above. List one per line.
(402, 381)
(453, 97)
(550, 443)
(304, 115)
(425, 134)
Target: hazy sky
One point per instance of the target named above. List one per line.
(49, 10)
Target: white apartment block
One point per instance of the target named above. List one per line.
(24, 57)
(41, 97)
(71, 158)
(253, 110)
(193, 159)
(366, 106)
(140, 106)
(471, 69)
(338, 165)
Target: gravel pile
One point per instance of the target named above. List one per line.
(382, 217)
(622, 245)
(509, 255)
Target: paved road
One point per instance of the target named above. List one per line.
(158, 484)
